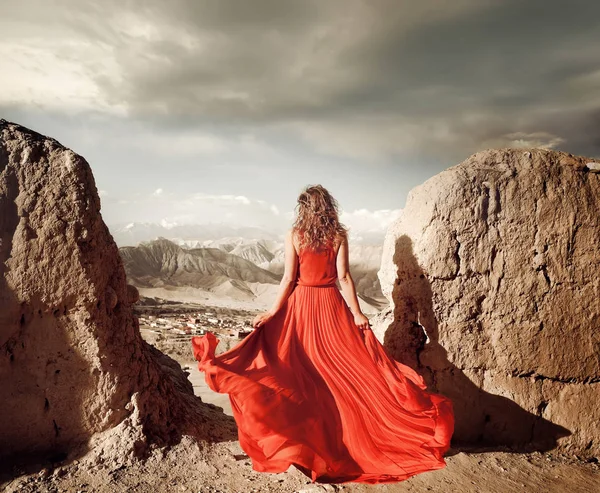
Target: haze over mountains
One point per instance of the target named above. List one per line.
(224, 265)
(131, 234)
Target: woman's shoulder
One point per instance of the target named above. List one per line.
(341, 238)
(295, 236)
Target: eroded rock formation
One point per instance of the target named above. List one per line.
(75, 373)
(499, 259)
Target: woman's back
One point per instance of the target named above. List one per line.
(309, 389)
(318, 267)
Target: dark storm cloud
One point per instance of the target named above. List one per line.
(357, 78)
(267, 60)
(517, 62)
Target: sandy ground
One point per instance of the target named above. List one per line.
(261, 302)
(223, 467)
(194, 295)
(204, 391)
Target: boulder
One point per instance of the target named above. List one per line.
(75, 374)
(492, 273)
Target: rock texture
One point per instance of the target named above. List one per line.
(498, 258)
(75, 374)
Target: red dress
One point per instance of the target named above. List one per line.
(310, 389)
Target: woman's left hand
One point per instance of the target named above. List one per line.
(261, 319)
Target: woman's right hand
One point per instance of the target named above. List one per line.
(361, 321)
(261, 319)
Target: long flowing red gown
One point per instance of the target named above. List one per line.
(310, 389)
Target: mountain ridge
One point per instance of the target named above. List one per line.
(163, 268)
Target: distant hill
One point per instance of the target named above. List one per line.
(231, 269)
(259, 252)
(161, 263)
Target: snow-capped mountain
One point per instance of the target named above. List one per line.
(192, 235)
(234, 263)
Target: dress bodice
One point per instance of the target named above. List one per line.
(317, 268)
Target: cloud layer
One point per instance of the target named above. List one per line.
(351, 78)
(234, 210)
(378, 95)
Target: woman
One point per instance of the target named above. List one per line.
(312, 387)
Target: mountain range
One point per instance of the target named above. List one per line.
(132, 234)
(232, 270)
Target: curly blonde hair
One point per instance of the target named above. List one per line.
(317, 221)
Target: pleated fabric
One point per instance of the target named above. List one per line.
(310, 389)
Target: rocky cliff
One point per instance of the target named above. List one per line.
(75, 374)
(492, 273)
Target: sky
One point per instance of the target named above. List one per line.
(193, 111)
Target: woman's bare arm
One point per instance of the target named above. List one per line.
(346, 282)
(289, 275)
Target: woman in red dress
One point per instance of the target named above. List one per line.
(311, 386)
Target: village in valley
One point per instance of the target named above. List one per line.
(170, 326)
